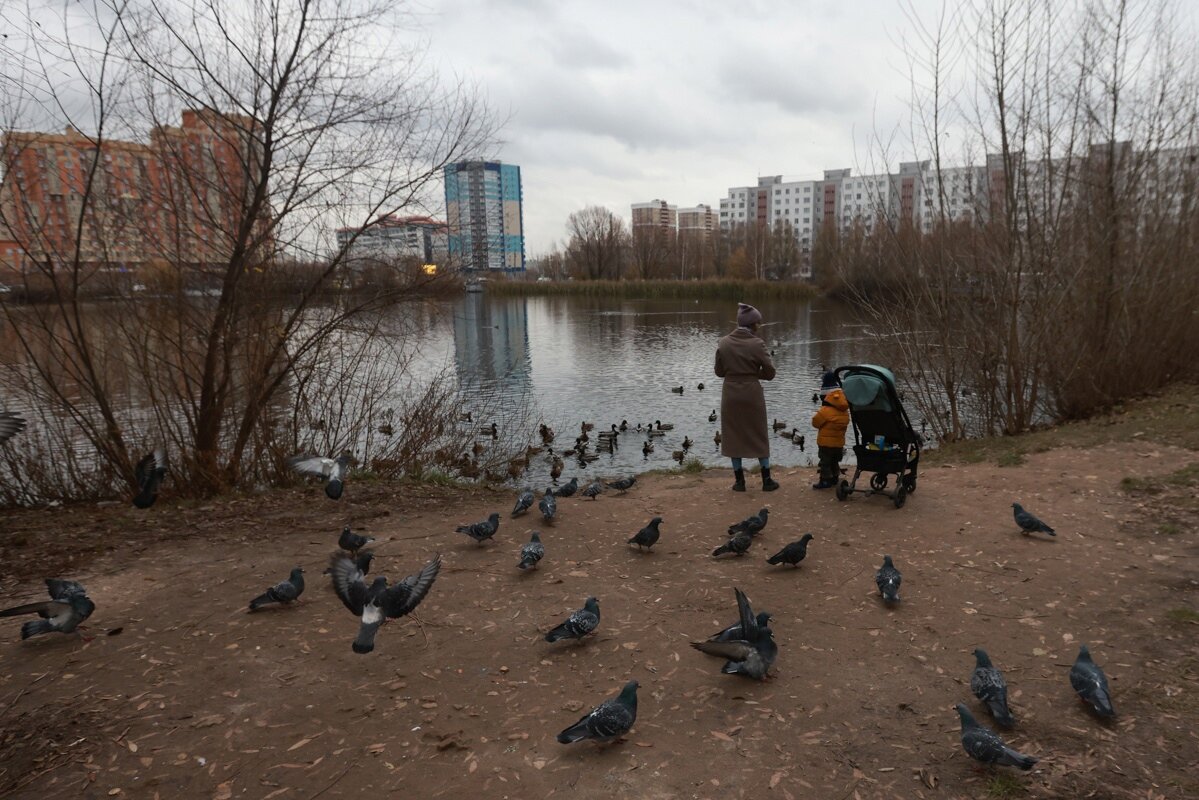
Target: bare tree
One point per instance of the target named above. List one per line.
(598, 245)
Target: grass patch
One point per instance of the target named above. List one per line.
(713, 289)
(1169, 529)
(692, 466)
(1004, 785)
(1183, 615)
(1011, 458)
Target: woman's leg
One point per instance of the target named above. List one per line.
(768, 483)
(738, 475)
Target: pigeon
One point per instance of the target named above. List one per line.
(793, 553)
(593, 489)
(1091, 684)
(481, 531)
(608, 721)
(532, 552)
(548, 505)
(624, 484)
(10, 425)
(569, 489)
(149, 473)
(283, 592)
(733, 632)
(753, 654)
(332, 470)
(377, 603)
(988, 685)
(648, 536)
(984, 745)
(1029, 523)
(68, 606)
(888, 579)
(352, 542)
(524, 501)
(738, 544)
(578, 624)
(362, 560)
(752, 525)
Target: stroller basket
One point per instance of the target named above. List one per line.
(885, 443)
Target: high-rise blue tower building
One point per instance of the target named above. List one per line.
(484, 211)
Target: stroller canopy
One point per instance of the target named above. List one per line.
(866, 391)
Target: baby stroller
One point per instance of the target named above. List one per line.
(884, 442)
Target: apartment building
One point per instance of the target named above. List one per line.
(391, 239)
(699, 221)
(485, 215)
(654, 214)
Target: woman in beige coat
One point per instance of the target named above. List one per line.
(742, 360)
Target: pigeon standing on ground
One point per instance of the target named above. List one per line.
(610, 720)
(333, 471)
(352, 542)
(983, 744)
(68, 606)
(378, 603)
(532, 552)
(10, 425)
(648, 536)
(624, 484)
(481, 531)
(1090, 683)
(284, 592)
(751, 525)
(988, 685)
(548, 506)
(593, 489)
(578, 624)
(793, 553)
(569, 489)
(738, 544)
(1028, 522)
(887, 579)
(753, 654)
(524, 501)
(149, 473)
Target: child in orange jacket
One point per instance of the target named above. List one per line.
(831, 421)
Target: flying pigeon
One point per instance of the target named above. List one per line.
(1029, 523)
(548, 505)
(1091, 684)
(578, 624)
(887, 579)
(524, 501)
(624, 484)
(149, 473)
(569, 489)
(733, 632)
(753, 654)
(609, 720)
(68, 606)
(481, 531)
(362, 560)
(738, 544)
(593, 489)
(647, 536)
(793, 553)
(378, 603)
(752, 525)
(352, 542)
(332, 470)
(988, 685)
(983, 744)
(532, 552)
(10, 425)
(284, 592)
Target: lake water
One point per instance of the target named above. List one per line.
(603, 360)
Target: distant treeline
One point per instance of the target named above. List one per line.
(721, 289)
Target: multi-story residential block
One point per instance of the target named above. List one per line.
(655, 214)
(176, 201)
(390, 239)
(699, 221)
(484, 212)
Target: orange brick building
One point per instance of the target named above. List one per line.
(173, 203)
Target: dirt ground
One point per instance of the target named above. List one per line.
(182, 694)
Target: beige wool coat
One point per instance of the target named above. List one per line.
(742, 360)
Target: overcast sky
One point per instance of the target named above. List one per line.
(616, 102)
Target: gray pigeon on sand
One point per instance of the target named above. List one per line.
(352, 542)
(608, 721)
(738, 545)
(988, 685)
(532, 552)
(887, 579)
(1090, 683)
(648, 536)
(624, 484)
(548, 506)
(984, 745)
(481, 531)
(524, 501)
(284, 592)
(753, 654)
(378, 603)
(68, 606)
(569, 489)
(752, 525)
(593, 489)
(1028, 522)
(578, 624)
(793, 553)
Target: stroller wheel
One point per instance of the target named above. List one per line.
(909, 483)
(842, 490)
(901, 495)
(878, 481)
